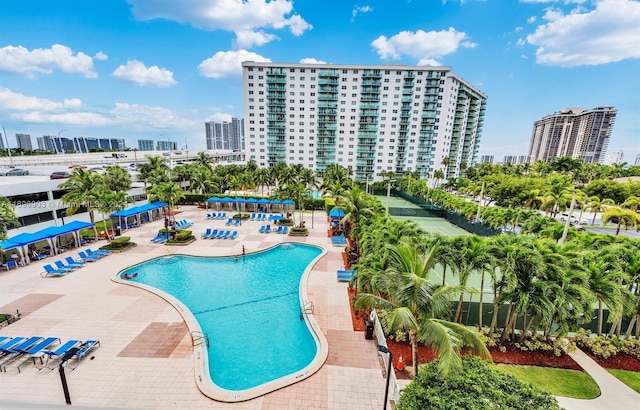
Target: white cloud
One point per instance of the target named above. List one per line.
(553, 1)
(606, 34)
(148, 116)
(429, 61)
(517, 29)
(360, 9)
(238, 16)
(226, 64)
(311, 60)
(249, 38)
(12, 101)
(137, 73)
(45, 61)
(100, 56)
(532, 19)
(220, 117)
(421, 44)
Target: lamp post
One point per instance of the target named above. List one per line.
(568, 222)
(383, 349)
(367, 185)
(8, 149)
(480, 202)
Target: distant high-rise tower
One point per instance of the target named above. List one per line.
(46, 143)
(2, 137)
(225, 135)
(145, 145)
(63, 145)
(370, 118)
(486, 159)
(614, 158)
(24, 141)
(166, 145)
(573, 132)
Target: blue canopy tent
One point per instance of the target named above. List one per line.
(227, 200)
(213, 199)
(23, 240)
(252, 201)
(276, 201)
(137, 211)
(335, 216)
(264, 202)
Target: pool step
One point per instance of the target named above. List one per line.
(306, 309)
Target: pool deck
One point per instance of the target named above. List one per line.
(145, 358)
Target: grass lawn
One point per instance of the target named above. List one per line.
(559, 382)
(631, 379)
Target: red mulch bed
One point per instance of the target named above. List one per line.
(425, 354)
(621, 361)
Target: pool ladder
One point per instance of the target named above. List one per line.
(199, 338)
(306, 309)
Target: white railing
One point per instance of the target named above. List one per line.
(394, 388)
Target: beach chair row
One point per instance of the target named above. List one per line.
(216, 215)
(161, 237)
(183, 224)
(16, 351)
(259, 217)
(233, 222)
(267, 229)
(61, 268)
(219, 234)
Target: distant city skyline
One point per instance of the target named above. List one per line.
(142, 69)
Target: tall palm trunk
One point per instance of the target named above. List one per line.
(508, 327)
(458, 317)
(600, 314)
(481, 299)
(414, 350)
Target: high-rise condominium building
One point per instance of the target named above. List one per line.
(85, 145)
(225, 135)
(515, 159)
(166, 146)
(368, 118)
(24, 141)
(46, 143)
(573, 132)
(486, 159)
(145, 145)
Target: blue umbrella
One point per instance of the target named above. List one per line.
(213, 199)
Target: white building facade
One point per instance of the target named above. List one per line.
(368, 118)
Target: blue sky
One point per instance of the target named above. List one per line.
(159, 69)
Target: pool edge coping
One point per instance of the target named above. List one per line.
(202, 378)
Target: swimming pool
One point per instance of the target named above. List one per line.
(250, 309)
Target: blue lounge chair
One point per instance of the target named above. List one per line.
(253, 217)
(206, 233)
(236, 222)
(4, 339)
(212, 235)
(165, 237)
(21, 345)
(279, 230)
(10, 264)
(267, 229)
(262, 228)
(233, 235)
(157, 237)
(226, 235)
(104, 252)
(38, 256)
(19, 353)
(220, 234)
(346, 275)
(50, 271)
(87, 258)
(72, 262)
(53, 354)
(209, 216)
(11, 343)
(60, 265)
(229, 221)
(285, 230)
(83, 349)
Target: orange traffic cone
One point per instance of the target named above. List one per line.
(400, 365)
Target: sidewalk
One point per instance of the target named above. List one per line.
(613, 393)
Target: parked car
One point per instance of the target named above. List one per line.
(59, 175)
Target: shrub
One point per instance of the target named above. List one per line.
(120, 243)
(285, 222)
(183, 236)
(478, 386)
(606, 347)
(298, 231)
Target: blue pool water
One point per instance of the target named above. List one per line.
(249, 308)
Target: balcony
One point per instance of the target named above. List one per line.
(328, 73)
(370, 90)
(372, 74)
(276, 80)
(328, 81)
(327, 127)
(327, 104)
(328, 97)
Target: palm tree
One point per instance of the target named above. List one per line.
(108, 203)
(595, 205)
(603, 283)
(154, 162)
(624, 217)
(438, 174)
(204, 159)
(117, 178)
(8, 218)
(416, 305)
(357, 207)
(169, 192)
(81, 186)
(262, 178)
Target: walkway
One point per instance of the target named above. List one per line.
(146, 356)
(615, 394)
